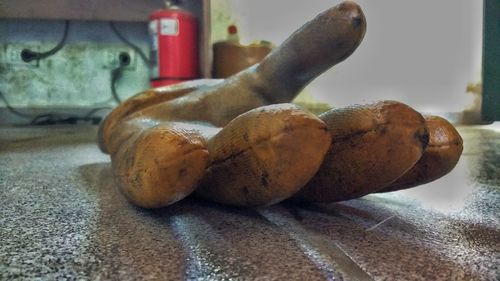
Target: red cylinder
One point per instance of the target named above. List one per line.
(174, 50)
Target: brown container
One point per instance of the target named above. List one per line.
(231, 57)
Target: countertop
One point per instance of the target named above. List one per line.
(62, 218)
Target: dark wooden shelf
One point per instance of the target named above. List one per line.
(109, 10)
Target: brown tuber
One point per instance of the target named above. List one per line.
(237, 141)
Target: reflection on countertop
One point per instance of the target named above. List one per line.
(63, 218)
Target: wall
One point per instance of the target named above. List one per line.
(79, 75)
(423, 52)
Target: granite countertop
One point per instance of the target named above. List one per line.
(62, 218)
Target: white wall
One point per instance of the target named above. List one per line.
(423, 53)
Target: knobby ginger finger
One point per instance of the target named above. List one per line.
(439, 158)
(264, 156)
(372, 145)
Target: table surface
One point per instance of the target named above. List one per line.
(62, 218)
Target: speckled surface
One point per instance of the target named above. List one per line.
(63, 219)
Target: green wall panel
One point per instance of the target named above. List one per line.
(491, 61)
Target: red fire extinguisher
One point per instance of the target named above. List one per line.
(174, 48)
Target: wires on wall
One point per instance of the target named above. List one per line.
(124, 61)
(55, 118)
(28, 55)
(130, 44)
(13, 110)
(59, 118)
(116, 74)
(52, 118)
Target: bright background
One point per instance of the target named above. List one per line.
(423, 53)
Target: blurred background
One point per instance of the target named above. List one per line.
(424, 53)
(427, 54)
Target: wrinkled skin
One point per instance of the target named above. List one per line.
(237, 141)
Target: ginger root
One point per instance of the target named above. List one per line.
(237, 141)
